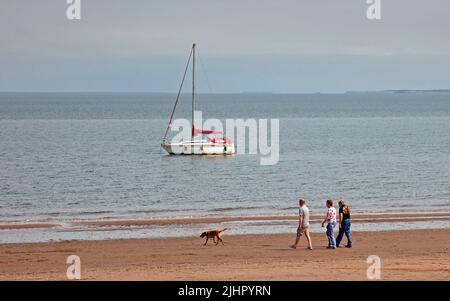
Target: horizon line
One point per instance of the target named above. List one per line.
(236, 92)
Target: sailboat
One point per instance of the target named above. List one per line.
(208, 145)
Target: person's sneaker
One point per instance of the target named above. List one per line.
(309, 248)
(333, 248)
(329, 247)
(293, 247)
(348, 246)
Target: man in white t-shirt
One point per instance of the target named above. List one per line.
(330, 219)
(303, 224)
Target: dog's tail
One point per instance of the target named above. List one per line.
(224, 229)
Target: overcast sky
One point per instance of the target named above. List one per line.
(244, 45)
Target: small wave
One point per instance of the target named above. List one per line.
(157, 211)
(234, 208)
(23, 205)
(92, 212)
(440, 204)
(56, 214)
(290, 208)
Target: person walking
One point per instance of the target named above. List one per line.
(303, 224)
(344, 224)
(330, 220)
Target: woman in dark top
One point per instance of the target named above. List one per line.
(344, 224)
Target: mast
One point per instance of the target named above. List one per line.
(178, 97)
(193, 90)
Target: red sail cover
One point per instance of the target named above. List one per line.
(196, 131)
(219, 140)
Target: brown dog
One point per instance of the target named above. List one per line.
(213, 234)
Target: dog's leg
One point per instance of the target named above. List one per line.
(214, 239)
(206, 241)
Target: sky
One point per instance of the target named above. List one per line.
(282, 46)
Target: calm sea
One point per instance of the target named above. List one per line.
(72, 156)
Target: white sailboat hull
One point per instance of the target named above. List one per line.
(199, 148)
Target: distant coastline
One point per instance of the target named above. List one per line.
(405, 91)
(395, 91)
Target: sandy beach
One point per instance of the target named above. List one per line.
(405, 255)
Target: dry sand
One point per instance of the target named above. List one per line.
(405, 255)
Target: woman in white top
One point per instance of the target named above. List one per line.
(330, 219)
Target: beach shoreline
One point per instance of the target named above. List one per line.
(404, 255)
(315, 218)
(110, 229)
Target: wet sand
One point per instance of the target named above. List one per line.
(358, 218)
(405, 255)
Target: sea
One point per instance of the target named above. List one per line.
(68, 157)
